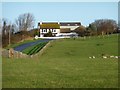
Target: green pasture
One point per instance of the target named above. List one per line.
(66, 64)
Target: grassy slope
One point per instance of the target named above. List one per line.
(66, 64)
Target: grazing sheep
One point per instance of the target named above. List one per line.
(93, 56)
(104, 57)
(90, 57)
(112, 56)
(116, 56)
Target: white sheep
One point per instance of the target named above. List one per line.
(93, 56)
(112, 56)
(116, 56)
(90, 57)
(104, 57)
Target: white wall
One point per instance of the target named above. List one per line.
(56, 30)
(52, 30)
(71, 27)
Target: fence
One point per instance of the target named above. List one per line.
(13, 54)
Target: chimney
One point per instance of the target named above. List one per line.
(58, 22)
(40, 22)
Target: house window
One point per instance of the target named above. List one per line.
(54, 30)
(44, 30)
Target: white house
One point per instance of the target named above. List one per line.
(45, 27)
(58, 29)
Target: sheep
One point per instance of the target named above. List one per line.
(93, 56)
(90, 57)
(112, 56)
(104, 57)
(116, 56)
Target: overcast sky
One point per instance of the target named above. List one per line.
(84, 12)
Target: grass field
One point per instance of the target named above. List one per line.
(65, 64)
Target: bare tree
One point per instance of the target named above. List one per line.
(106, 26)
(25, 21)
(4, 26)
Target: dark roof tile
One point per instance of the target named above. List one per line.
(70, 23)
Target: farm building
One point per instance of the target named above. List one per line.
(58, 29)
(46, 27)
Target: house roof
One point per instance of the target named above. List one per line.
(49, 26)
(70, 23)
(56, 25)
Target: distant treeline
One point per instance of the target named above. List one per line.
(23, 29)
(99, 27)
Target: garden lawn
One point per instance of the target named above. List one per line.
(65, 64)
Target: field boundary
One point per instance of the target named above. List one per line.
(11, 53)
(43, 49)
